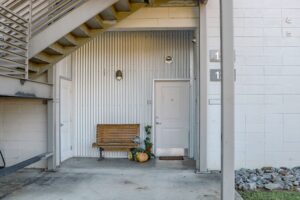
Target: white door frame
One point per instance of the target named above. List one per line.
(59, 124)
(192, 105)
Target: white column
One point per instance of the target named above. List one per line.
(51, 132)
(227, 65)
(203, 90)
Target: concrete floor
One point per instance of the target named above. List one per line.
(112, 179)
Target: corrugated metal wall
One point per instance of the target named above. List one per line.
(100, 98)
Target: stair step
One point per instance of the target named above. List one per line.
(70, 39)
(96, 23)
(45, 58)
(109, 14)
(84, 28)
(57, 49)
(51, 52)
(82, 31)
(122, 5)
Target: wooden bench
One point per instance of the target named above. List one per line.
(116, 137)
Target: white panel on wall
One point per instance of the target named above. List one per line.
(23, 130)
(63, 70)
(100, 98)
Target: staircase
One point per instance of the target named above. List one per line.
(35, 34)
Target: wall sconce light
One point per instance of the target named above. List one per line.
(169, 59)
(119, 75)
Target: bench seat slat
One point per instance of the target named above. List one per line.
(116, 147)
(121, 136)
(116, 144)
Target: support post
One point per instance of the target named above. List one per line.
(203, 90)
(51, 139)
(28, 40)
(227, 109)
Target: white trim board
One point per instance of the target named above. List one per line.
(154, 18)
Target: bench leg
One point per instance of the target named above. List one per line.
(101, 154)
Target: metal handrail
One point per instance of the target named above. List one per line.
(14, 14)
(12, 29)
(43, 12)
(14, 42)
(54, 13)
(14, 46)
(16, 24)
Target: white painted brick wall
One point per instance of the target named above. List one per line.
(267, 44)
(23, 130)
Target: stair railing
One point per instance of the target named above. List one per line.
(19, 21)
(43, 12)
(14, 43)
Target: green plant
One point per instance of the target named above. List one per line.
(148, 145)
(147, 141)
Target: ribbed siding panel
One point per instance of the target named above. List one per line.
(100, 98)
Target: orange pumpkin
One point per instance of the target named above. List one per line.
(142, 157)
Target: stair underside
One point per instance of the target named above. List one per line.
(67, 44)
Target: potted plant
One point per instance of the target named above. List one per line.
(141, 154)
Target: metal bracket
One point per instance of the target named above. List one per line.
(22, 81)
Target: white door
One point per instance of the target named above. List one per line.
(65, 120)
(172, 105)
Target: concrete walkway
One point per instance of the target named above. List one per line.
(112, 179)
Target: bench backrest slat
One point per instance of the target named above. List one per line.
(117, 133)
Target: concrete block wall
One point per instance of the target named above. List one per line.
(23, 130)
(267, 44)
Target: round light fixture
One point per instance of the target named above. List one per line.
(119, 75)
(169, 59)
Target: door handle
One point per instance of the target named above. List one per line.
(158, 123)
(61, 124)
